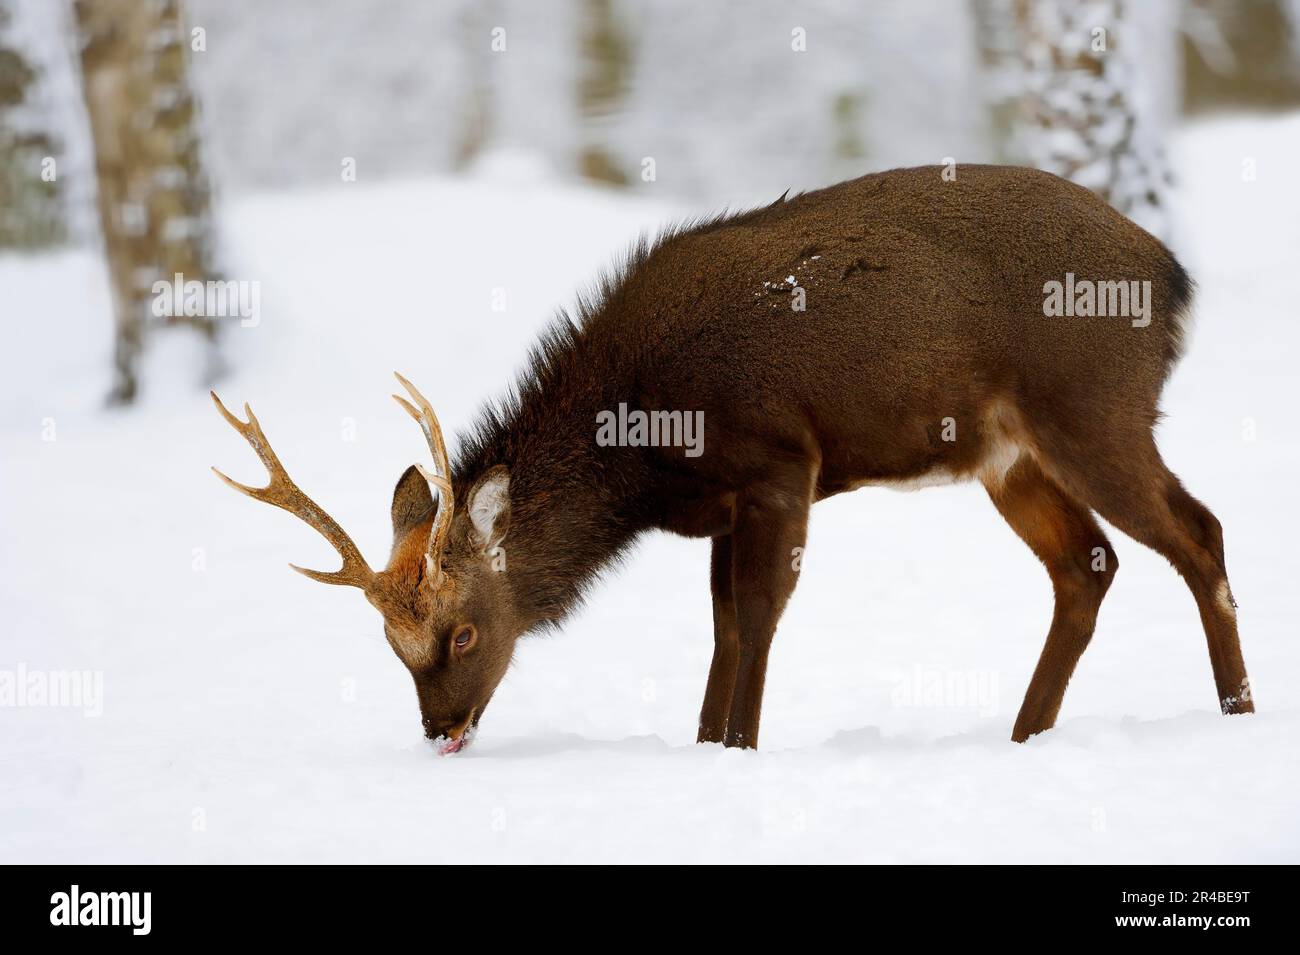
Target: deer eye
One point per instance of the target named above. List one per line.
(464, 637)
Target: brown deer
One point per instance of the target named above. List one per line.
(897, 329)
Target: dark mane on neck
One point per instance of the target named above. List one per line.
(572, 515)
(559, 365)
(569, 355)
(567, 521)
(505, 428)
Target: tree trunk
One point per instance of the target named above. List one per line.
(996, 36)
(472, 27)
(153, 195)
(31, 211)
(602, 84)
(1069, 98)
(1241, 55)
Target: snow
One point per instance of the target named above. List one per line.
(250, 714)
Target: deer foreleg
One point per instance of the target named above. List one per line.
(726, 646)
(771, 523)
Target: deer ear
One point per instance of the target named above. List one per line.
(412, 502)
(489, 506)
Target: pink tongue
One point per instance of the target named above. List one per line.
(451, 746)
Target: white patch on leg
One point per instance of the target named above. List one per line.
(1224, 597)
(1004, 446)
(1002, 455)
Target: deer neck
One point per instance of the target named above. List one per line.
(575, 506)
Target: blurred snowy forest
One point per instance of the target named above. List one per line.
(709, 105)
(387, 176)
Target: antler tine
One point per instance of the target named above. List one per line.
(432, 477)
(286, 495)
(439, 478)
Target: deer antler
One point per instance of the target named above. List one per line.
(439, 479)
(283, 493)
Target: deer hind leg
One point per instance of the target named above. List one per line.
(1081, 563)
(771, 524)
(1134, 490)
(726, 646)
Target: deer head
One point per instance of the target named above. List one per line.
(447, 606)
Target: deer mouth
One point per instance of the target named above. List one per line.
(457, 737)
(448, 745)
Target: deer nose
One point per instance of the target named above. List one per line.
(457, 731)
(453, 731)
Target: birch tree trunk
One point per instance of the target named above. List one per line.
(153, 194)
(31, 211)
(472, 23)
(1068, 96)
(602, 85)
(999, 57)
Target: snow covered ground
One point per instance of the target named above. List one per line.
(249, 714)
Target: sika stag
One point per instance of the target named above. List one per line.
(1006, 327)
